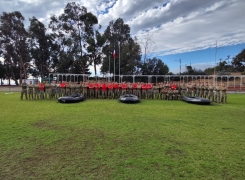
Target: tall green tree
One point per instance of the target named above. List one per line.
(239, 61)
(70, 33)
(39, 47)
(2, 72)
(13, 45)
(154, 66)
(127, 49)
(95, 45)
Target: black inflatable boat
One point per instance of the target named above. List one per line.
(129, 98)
(196, 100)
(71, 99)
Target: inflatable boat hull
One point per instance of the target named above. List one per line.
(71, 99)
(196, 100)
(129, 98)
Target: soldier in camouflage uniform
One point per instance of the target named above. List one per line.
(72, 87)
(194, 87)
(156, 91)
(23, 90)
(77, 88)
(47, 90)
(189, 89)
(36, 90)
(198, 89)
(217, 92)
(183, 90)
(202, 87)
(223, 93)
(30, 90)
(138, 90)
(206, 87)
(53, 89)
(211, 92)
(85, 89)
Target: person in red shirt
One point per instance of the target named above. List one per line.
(63, 88)
(124, 88)
(134, 86)
(110, 90)
(104, 90)
(116, 90)
(41, 90)
(143, 86)
(149, 88)
(91, 90)
(97, 90)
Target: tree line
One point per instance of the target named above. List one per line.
(70, 44)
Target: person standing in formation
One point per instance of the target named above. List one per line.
(41, 90)
(47, 90)
(189, 89)
(156, 91)
(116, 90)
(23, 90)
(85, 89)
(183, 90)
(217, 92)
(223, 94)
(202, 87)
(206, 90)
(36, 90)
(30, 90)
(211, 92)
(194, 87)
(53, 89)
(124, 88)
(62, 88)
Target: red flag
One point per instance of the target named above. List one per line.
(114, 54)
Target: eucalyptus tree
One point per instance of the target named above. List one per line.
(118, 38)
(13, 44)
(70, 33)
(95, 45)
(154, 66)
(39, 47)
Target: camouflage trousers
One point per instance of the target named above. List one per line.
(36, 94)
(217, 97)
(30, 94)
(223, 98)
(211, 96)
(23, 92)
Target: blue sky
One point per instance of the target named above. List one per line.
(201, 59)
(179, 29)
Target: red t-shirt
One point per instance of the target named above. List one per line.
(143, 87)
(91, 86)
(104, 87)
(116, 86)
(62, 85)
(110, 86)
(124, 86)
(173, 87)
(134, 86)
(149, 86)
(97, 86)
(41, 86)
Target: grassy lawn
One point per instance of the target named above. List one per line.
(106, 139)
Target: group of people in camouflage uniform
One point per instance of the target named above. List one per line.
(112, 90)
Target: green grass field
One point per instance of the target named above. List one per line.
(106, 139)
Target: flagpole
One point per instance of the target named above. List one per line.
(109, 62)
(114, 61)
(119, 64)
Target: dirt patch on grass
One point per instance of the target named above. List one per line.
(174, 152)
